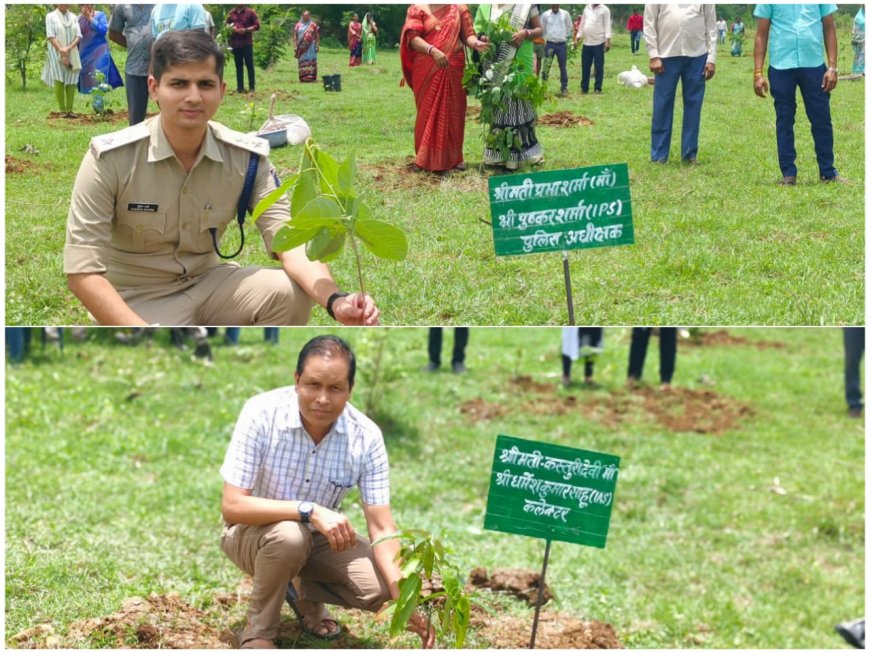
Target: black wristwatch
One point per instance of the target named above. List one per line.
(305, 509)
(331, 301)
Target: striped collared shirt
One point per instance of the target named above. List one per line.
(272, 455)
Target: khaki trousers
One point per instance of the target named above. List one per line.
(226, 295)
(277, 553)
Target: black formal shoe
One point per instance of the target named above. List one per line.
(459, 368)
(852, 632)
(431, 367)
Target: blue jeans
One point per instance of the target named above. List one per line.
(592, 54)
(783, 84)
(635, 40)
(689, 71)
(560, 50)
(853, 344)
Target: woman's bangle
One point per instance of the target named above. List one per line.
(429, 50)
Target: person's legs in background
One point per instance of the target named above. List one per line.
(598, 58)
(853, 345)
(435, 336)
(460, 340)
(817, 104)
(586, 58)
(238, 59)
(694, 86)
(783, 84)
(667, 355)
(664, 94)
(637, 354)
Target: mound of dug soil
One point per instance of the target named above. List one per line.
(563, 119)
(478, 410)
(722, 338)
(521, 583)
(15, 165)
(155, 622)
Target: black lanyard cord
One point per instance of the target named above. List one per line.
(244, 201)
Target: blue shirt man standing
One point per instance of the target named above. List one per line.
(800, 36)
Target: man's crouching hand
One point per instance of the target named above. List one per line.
(335, 527)
(417, 624)
(356, 310)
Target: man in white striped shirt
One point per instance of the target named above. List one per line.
(295, 452)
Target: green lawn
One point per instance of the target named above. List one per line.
(750, 538)
(715, 244)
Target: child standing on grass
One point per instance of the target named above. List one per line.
(63, 65)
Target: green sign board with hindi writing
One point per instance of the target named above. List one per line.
(558, 210)
(550, 491)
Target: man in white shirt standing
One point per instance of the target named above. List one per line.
(681, 43)
(721, 28)
(595, 32)
(557, 28)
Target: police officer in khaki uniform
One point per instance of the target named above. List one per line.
(138, 246)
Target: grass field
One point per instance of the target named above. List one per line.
(750, 535)
(718, 243)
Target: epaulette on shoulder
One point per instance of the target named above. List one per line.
(247, 142)
(114, 140)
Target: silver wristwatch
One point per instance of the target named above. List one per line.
(305, 509)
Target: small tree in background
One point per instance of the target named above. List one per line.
(25, 28)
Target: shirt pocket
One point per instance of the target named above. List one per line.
(141, 231)
(340, 483)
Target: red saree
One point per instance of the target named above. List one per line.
(441, 101)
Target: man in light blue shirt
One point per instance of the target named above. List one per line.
(800, 36)
(167, 17)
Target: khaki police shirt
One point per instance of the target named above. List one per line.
(139, 218)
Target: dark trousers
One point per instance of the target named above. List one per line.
(560, 51)
(853, 343)
(783, 86)
(137, 98)
(635, 40)
(588, 366)
(592, 54)
(667, 352)
(460, 340)
(689, 71)
(244, 58)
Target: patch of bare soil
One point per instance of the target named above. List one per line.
(18, 166)
(522, 583)
(478, 410)
(555, 631)
(564, 119)
(110, 117)
(678, 409)
(528, 384)
(722, 338)
(155, 622)
(472, 113)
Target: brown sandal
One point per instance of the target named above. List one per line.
(311, 624)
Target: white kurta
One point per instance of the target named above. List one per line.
(65, 28)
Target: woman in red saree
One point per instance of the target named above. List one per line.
(354, 41)
(433, 60)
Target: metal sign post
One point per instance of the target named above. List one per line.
(568, 287)
(540, 600)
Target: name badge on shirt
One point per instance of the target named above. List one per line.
(142, 208)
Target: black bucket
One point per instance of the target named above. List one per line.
(332, 82)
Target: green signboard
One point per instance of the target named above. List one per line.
(550, 491)
(561, 209)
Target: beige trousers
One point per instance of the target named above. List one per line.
(226, 295)
(277, 553)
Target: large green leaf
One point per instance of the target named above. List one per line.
(428, 560)
(409, 593)
(346, 174)
(288, 238)
(319, 212)
(326, 244)
(264, 204)
(328, 171)
(305, 190)
(382, 239)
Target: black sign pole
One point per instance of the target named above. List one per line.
(568, 288)
(541, 590)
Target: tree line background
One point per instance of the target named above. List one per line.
(25, 27)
